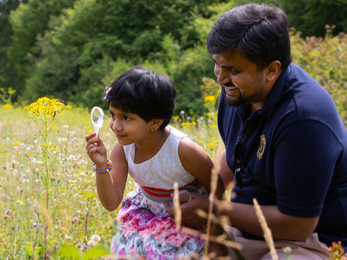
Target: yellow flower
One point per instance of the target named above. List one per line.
(7, 106)
(210, 99)
(15, 144)
(213, 144)
(11, 91)
(46, 107)
(213, 126)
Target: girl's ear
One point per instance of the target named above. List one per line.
(156, 123)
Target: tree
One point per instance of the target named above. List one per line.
(310, 16)
(79, 47)
(28, 21)
(8, 76)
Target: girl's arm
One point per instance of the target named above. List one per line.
(225, 173)
(110, 186)
(196, 161)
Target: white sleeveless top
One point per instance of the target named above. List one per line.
(163, 169)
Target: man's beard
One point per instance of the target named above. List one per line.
(233, 102)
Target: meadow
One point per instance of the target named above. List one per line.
(49, 205)
(49, 208)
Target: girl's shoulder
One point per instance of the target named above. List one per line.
(176, 133)
(129, 151)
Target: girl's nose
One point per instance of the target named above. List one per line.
(115, 125)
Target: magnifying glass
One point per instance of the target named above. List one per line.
(97, 116)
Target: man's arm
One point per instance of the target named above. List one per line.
(242, 216)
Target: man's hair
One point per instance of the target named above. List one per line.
(258, 32)
(145, 93)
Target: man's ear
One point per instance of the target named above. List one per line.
(273, 70)
(156, 123)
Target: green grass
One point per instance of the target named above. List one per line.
(47, 208)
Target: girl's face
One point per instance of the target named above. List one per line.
(129, 128)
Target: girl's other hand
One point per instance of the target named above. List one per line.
(189, 216)
(96, 150)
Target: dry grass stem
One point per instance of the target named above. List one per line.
(214, 181)
(213, 256)
(178, 213)
(190, 231)
(223, 258)
(266, 230)
(231, 186)
(202, 213)
(222, 220)
(222, 240)
(45, 215)
(222, 204)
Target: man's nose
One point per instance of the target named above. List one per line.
(222, 76)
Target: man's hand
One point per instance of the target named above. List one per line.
(189, 216)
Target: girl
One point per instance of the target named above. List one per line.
(156, 156)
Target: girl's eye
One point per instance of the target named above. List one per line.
(111, 114)
(126, 118)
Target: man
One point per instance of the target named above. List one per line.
(285, 142)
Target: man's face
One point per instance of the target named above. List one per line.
(240, 78)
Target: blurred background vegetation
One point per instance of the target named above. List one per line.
(72, 49)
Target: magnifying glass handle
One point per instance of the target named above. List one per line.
(96, 129)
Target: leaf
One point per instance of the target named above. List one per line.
(95, 252)
(70, 251)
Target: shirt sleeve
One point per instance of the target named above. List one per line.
(305, 156)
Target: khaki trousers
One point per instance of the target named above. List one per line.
(310, 249)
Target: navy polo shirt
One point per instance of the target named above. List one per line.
(294, 153)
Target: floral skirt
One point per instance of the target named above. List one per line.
(145, 229)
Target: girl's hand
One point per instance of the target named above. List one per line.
(189, 216)
(96, 150)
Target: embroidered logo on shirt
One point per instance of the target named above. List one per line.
(261, 148)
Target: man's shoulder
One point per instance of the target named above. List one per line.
(308, 99)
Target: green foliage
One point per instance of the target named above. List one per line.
(71, 50)
(8, 75)
(311, 16)
(76, 225)
(325, 59)
(81, 44)
(72, 252)
(29, 21)
(189, 71)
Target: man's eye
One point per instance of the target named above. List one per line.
(234, 71)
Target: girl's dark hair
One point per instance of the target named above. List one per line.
(145, 93)
(258, 32)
